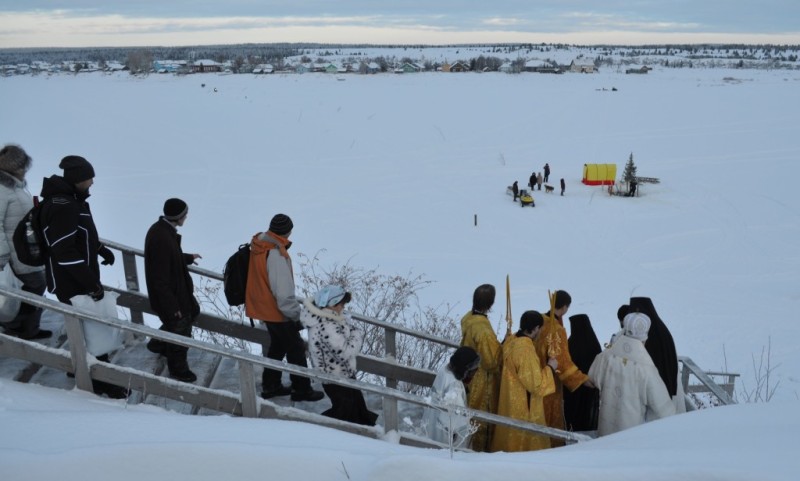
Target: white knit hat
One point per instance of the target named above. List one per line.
(636, 325)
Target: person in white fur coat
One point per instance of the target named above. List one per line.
(333, 344)
(15, 202)
(631, 390)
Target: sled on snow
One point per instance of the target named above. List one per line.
(525, 198)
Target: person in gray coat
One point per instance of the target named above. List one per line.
(15, 202)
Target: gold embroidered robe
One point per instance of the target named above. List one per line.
(523, 384)
(552, 342)
(477, 333)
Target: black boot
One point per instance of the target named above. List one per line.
(110, 390)
(309, 395)
(179, 367)
(156, 346)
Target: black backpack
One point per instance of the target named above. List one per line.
(235, 276)
(27, 237)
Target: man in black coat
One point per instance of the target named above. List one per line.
(170, 286)
(69, 233)
(72, 244)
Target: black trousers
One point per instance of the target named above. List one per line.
(285, 341)
(348, 404)
(182, 327)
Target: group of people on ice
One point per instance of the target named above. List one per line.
(535, 181)
(634, 380)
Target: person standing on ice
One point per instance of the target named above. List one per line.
(15, 202)
(449, 388)
(563, 186)
(477, 333)
(539, 181)
(515, 190)
(546, 173)
(72, 244)
(170, 286)
(270, 299)
(631, 390)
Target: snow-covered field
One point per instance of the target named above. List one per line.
(392, 170)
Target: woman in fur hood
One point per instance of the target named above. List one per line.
(15, 202)
(333, 344)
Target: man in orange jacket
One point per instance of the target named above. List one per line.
(271, 300)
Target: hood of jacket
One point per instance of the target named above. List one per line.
(56, 186)
(9, 180)
(327, 314)
(16, 161)
(264, 241)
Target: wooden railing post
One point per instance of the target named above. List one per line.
(685, 378)
(247, 384)
(390, 422)
(77, 347)
(132, 282)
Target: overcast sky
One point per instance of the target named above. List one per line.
(78, 23)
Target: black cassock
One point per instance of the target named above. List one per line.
(582, 406)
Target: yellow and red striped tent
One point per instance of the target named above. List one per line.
(599, 174)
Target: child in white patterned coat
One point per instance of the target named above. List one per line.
(333, 344)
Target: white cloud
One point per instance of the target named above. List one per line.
(82, 28)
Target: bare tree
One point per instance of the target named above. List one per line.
(139, 61)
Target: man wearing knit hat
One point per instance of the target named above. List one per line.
(270, 298)
(631, 390)
(170, 286)
(72, 244)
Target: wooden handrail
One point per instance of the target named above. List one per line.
(248, 404)
(705, 379)
(83, 368)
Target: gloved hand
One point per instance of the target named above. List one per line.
(98, 294)
(107, 255)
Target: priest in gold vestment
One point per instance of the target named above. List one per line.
(523, 384)
(477, 333)
(553, 342)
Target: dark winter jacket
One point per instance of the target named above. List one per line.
(70, 238)
(169, 283)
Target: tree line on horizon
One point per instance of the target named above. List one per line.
(478, 57)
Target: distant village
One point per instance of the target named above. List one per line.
(282, 59)
(182, 67)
